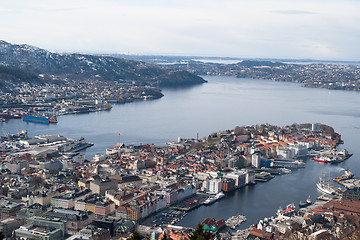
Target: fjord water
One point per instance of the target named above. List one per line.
(223, 103)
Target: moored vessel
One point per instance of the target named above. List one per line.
(220, 195)
(325, 187)
(209, 201)
(306, 203)
(347, 175)
(40, 119)
(290, 208)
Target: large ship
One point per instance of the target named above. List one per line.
(325, 187)
(347, 175)
(9, 115)
(40, 119)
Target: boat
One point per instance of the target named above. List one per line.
(290, 208)
(209, 201)
(325, 188)
(40, 119)
(2, 119)
(19, 136)
(306, 203)
(343, 154)
(326, 159)
(320, 159)
(220, 195)
(347, 175)
(9, 116)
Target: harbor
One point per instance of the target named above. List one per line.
(254, 201)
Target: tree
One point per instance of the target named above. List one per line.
(135, 236)
(37, 182)
(164, 237)
(200, 234)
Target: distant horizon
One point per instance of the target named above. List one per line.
(96, 52)
(278, 29)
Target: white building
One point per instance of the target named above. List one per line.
(214, 186)
(256, 160)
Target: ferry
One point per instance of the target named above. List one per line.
(306, 203)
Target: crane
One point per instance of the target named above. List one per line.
(119, 133)
(5, 133)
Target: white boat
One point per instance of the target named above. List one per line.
(209, 201)
(325, 187)
(220, 195)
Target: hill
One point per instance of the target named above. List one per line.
(37, 61)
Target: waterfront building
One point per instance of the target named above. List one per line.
(241, 178)
(214, 185)
(227, 185)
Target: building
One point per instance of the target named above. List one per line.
(42, 228)
(123, 181)
(256, 160)
(227, 185)
(16, 165)
(8, 225)
(75, 220)
(100, 186)
(39, 233)
(9, 209)
(214, 185)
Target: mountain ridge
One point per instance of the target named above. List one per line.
(35, 60)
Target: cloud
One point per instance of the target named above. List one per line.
(292, 11)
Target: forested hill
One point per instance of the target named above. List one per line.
(33, 60)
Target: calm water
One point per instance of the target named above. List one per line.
(221, 104)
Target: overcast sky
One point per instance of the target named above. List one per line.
(316, 29)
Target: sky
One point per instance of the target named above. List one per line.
(296, 29)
